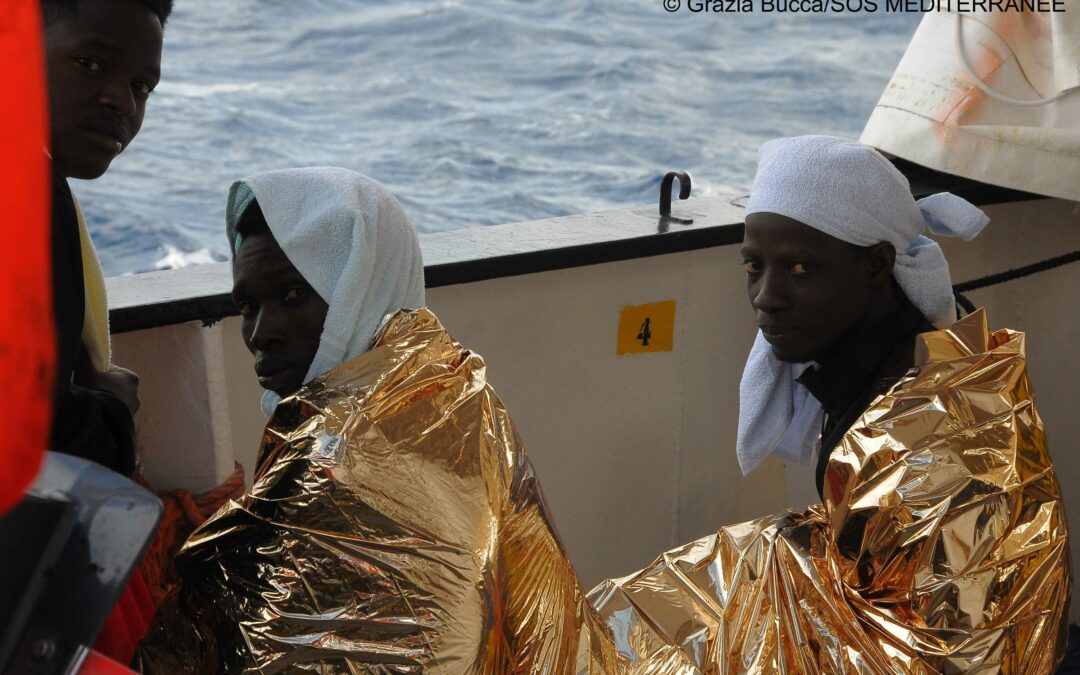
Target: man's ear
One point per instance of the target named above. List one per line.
(881, 258)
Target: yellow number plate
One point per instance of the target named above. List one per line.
(646, 328)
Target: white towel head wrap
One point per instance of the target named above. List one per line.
(350, 239)
(849, 191)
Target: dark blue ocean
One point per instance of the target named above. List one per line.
(474, 113)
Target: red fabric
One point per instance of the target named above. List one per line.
(128, 623)
(156, 577)
(183, 513)
(96, 664)
(26, 340)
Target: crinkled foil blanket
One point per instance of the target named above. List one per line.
(396, 525)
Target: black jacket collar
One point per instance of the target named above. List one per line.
(857, 358)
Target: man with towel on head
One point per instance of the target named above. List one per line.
(941, 543)
(841, 280)
(395, 523)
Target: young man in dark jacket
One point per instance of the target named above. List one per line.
(103, 59)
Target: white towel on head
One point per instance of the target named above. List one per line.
(849, 191)
(350, 239)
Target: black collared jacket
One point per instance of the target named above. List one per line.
(88, 423)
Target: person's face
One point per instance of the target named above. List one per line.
(806, 287)
(103, 62)
(282, 315)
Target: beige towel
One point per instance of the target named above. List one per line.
(95, 332)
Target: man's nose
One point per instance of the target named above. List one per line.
(119, 96)
(770, 294)
(268, 330)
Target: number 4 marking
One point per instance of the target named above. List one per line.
(644, 333)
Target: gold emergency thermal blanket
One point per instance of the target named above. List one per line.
(395, 525)
(941, 546)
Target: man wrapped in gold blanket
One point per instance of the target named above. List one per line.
(395, 523)
(941, 543)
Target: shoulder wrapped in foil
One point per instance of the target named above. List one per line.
(395, 525)
(941, 546)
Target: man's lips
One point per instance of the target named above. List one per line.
(274, 381)
(777, 331)
(271, 371)
(107, 135)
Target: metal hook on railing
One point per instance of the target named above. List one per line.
(665, 196)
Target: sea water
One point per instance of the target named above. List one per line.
(474, 113)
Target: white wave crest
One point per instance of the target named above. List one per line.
(175, 258)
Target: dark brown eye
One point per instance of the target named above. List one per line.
(92, 65)
(799, 269)
(247, 309)
(752, 266)
(294, 295)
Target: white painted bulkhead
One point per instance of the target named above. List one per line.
(635, 452)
